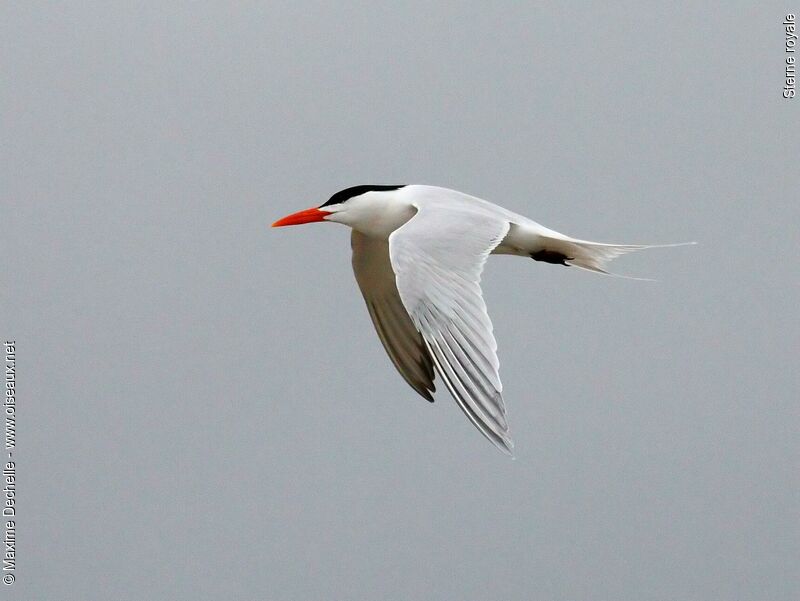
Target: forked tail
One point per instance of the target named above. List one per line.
(592, 256)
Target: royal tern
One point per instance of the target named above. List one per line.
(418, 254)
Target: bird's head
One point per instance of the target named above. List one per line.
(347, 206)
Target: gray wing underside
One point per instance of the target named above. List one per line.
(403, 343)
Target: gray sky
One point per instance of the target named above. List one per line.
(204, 409)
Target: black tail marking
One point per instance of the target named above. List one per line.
(551, 256)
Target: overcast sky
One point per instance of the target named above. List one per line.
(204, 409)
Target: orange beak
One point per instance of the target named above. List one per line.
(307, 216)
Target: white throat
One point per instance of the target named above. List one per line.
(375, 214)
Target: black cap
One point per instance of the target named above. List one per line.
(348, 193)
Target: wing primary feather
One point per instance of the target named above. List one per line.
(490, 363)
(475, 394)
(470, 403)
(505, 445)
(478, 376)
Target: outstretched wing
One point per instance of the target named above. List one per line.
(400, 338)
(438, 257)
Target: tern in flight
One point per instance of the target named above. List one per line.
(418, 254)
